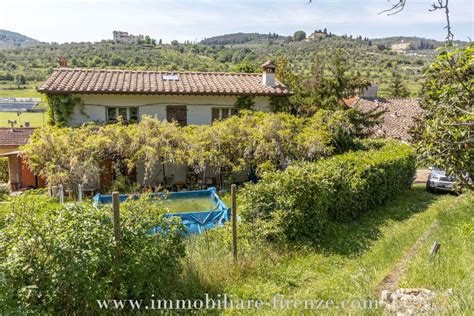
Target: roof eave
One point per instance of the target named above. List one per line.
(48, 91)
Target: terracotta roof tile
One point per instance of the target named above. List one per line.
(17, 137)
(398, 118)
(66, 80)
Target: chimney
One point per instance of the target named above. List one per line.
(370, 92)
(268, 76)
(62, 62)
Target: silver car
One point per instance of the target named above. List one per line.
(439, 181)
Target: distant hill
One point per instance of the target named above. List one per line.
(374, 59)
(242, 38)
(413, 42)
(10, 39)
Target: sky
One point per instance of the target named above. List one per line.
(94, 20)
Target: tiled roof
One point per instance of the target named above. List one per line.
(15, 137)
(66, 80)
(398, 118)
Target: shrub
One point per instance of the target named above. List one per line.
(61, 259)
(4, 169)
(297, 203)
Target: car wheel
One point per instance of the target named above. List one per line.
(429, 189)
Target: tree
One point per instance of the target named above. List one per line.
(331, 83)
(299, 36)
(445, 134)
(285, 75)
(246, 67)
(399, 5)
(20, 80)
(397, 86)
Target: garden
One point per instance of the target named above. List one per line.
(329, 214)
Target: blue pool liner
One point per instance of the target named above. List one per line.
(195, 222)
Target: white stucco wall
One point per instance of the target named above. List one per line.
(199, 107)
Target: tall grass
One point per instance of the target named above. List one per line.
(350, 262)
(452, 267)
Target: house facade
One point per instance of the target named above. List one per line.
(189, 98)
(186, 97)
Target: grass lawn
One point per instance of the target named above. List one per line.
(35, 119)
(350, 262)
(452, 267)
(10, 90)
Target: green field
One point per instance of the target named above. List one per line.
(35, 119)
(11, 91)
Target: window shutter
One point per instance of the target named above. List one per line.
(178, 113)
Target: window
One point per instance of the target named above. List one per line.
(222, 113)
(178, 113)
(111, 114)
(133, 114)
(123, 113)
(127, 113)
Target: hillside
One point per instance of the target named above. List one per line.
(242, 38)
(371, 58)
(10, 39)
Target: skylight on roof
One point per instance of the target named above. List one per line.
(170, 77)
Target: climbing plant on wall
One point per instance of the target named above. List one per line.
(244, 102)
(61, 107)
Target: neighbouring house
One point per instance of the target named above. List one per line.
(20, 176)
(398, 118)
(189, 98)
(125, 37)
(401, 47)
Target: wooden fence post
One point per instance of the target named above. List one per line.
(61, 194)
(233, 190)
(117, 235)
(435, 248)
(79, 192)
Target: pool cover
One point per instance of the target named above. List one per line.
(195, 222)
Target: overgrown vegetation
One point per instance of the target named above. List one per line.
(296, 204)
(445, 133)
(251, 141)
(4, 169)
(451, 268)
(61, 259)
(349, 262)
(62, 106)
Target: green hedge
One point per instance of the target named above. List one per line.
(295, 204)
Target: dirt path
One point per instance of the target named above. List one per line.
(391, 281)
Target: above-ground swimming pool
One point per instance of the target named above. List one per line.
(199, 210)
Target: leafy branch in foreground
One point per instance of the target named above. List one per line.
(445, 133)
